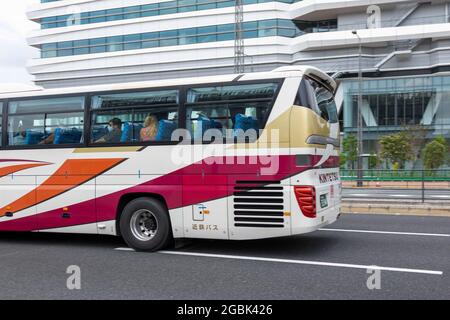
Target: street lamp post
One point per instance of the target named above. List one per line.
(359, 181)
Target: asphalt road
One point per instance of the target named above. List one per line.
(395, 194)
(412, 252)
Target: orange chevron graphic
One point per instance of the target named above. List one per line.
(16, 168)
(71, 174)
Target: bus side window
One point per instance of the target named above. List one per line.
(134, 117)
(228, 110)
(46, 121)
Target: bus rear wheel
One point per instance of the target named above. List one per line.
(145, 225)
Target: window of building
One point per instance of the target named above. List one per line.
(373, 116)
(46, 121)
(317, 26)
(409, 108)
(132, 12)
(267, 28)
(114, 14)
(97, 16)
(418, 107)
(224, 32)
(132, 41)
(391, 110)
(396, 103)
(134, 117)
(401, 109)
(147, 10)
(115, 43)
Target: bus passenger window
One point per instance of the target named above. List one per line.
(225, 118)
(46, 121)
(134, 117)
(228, 110)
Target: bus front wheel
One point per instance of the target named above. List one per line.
(145, 225)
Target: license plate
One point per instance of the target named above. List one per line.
(323, 201)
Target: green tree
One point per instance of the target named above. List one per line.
(444, 142)
(373, 161)
(350, 149)
(435, 153)
(396, 148)
(441, 140)
(416, 134)
(342, 160)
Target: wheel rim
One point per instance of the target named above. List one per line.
(144, 225)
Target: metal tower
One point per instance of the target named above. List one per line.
(239, 55)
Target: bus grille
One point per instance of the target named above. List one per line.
(258, 204)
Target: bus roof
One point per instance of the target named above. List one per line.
(279, 73)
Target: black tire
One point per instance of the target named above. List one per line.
(138, 219)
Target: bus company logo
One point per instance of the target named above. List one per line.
(202, 209)
(328, 177)
(205, 227)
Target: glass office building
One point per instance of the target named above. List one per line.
(404, 45)
(392, 105)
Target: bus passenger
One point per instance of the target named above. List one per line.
(148, 132)
(114, 132)
(49, 139)
(19, 138)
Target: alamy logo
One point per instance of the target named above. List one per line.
(373, 17)
(74, 280)
(374, 280)
(73, 16)
(219, 150)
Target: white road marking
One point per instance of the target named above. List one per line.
(440, 196)
(124, 249)
(304, 262)
(389, 232)
(400, 195)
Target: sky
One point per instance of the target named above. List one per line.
(14, 51)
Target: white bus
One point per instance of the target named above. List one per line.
(234, 157)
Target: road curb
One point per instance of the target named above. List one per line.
(389, 208)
